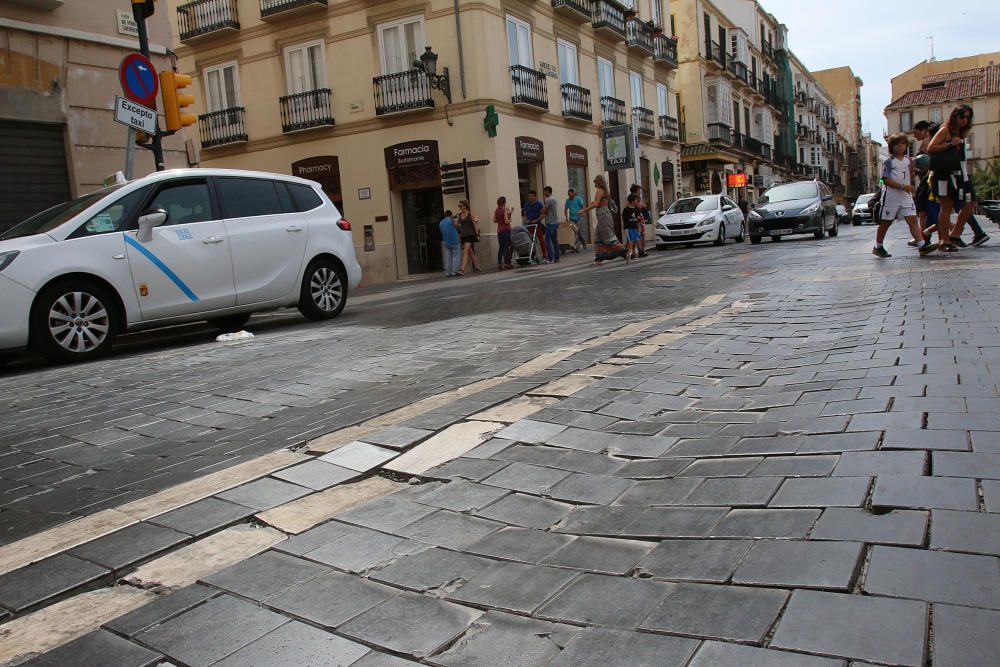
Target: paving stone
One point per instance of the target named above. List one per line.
(841, 625)
(505, 640)
(641, 446)
(359, 456)
(363, 549)
(991, 494)
(129, 545)
(936, 576)
(594, 599)
(316, 537)
(390, 624)
(97, 649)
(377, 659)
(331, 599)
(964, 636)
(234, 624)
(659, 492)
(600, 647)
(720, 654)
(535, 454)
(316, 475)
(598, 520)
(841, 442)
(782, 444)
(985, 441)
(721, 467)
(526, 511)
(791, 523)
(265, 575)
(599, 554)
(431, 569)
(822, 492)
(748, 491)
(592, 489)
(449, 529)
(462, 496)
(972, 532)
(652, 468)
(263, 494)
(960, 464)
(902, 527)
(865, 464)
(659, 522)
(527, 478)
(41, 581)
(528, 430)
(466, 468)
(717, 612)
(587, 462)
(520, 544)
(800, 564)
(901, 438)
(513, 587)
(582, 439)
(161, 610)
(694, 560)
(698, 447)
(296, 644)
(398, 437)
(912, 492)
(388, 513)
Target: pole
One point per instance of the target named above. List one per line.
(465, 179)
(139, 14)
(129, 153)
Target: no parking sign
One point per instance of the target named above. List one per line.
(139, 81)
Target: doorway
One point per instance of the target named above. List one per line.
(527, 180)
(422, 213)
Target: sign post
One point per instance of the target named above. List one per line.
(140, 10)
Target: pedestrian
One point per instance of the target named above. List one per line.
(921, 198)
(550, 212)
(951, 176)
(744, 209)
(631, 220)
(532, 213)
(468, 230)
(571, 210)
(644, 214)
(606, 244)
(501, 217)
(897, 197)
(449, 236)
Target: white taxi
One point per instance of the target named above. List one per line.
(175, 246)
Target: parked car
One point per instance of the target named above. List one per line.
(802, 207)
(991, 209)
(842, 215)
(175, 246)
(697, 219)
(861, 211)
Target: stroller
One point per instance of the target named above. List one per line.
(522, 241)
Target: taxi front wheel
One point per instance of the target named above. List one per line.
(324, 290)
(73, 320)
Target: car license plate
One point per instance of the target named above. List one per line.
(779, 232)
(681, 232)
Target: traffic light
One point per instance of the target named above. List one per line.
(146, 6)
(175, 101)
(141, 138)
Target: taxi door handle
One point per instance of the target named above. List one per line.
(212, 239)
(293, 228)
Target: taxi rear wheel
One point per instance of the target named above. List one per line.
(73, 321)
(324, 290)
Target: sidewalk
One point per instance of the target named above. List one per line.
(804, 470)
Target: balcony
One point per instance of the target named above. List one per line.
(580, 10)
(401, 92)
(800, 99)
(719, 133)
(737, 69)
(206, 17)
(643, 120)
(738, 139)
(765, 152)
(609, 17)
(576, 103)
(751, 145)
(715, 55)
(529, 88)
(639, 37)
(766, 49)
(669, 129)
(304, 111)
(612, 111)
(219, 128)
(272, 10)
(665, 50)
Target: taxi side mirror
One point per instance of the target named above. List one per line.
(148, 220)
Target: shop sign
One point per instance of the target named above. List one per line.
(321, 166)
(412, 154)
(616, 147)
(529, 149)
(736, 180)
(576, 156)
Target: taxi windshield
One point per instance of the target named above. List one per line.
(50, 218)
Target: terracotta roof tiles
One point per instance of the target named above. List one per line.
(978, 82)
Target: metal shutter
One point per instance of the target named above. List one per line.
(33, 173)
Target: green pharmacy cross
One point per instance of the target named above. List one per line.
(491, 121)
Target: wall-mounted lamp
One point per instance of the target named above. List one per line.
(428, 63)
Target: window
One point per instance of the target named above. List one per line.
(304, 68)
(905, 121)
(186, 202)
(519, 43)
(605, 78)
(114, 218)
(673, 29)
(248, 197)
(657, 12)
(935, 115)
(400, 44)
(221, 87)
(304, 196)
(738, 47)
(662, 107)
(635, 88)
(568, 71)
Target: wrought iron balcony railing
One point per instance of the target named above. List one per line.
(303, 111)
(669, 129)
(581, 10)
(203, 17)
(402, 91)
(665, 50)
(226, 126)
(576, 102)
(639, 37)
(612, 111)
(610, 17)
(270, 9)
(529, 87)
(643, 119)
(720, 133)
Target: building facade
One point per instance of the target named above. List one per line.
(973, 80)
(58, 84)
(844, 88)
(328, 90)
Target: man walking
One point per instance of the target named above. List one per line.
(550, 210)
(532, 212)
(449, 236)
(571, 209)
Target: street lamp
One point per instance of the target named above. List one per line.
(428, 63)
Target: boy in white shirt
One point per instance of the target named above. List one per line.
(897, 197)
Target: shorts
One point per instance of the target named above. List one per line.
(954, 187)
(469, 239)
(633, 235)
(892, 211)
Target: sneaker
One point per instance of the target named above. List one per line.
(948, 247)
(980, 240)
(928, 249)
(881, 252)
(959, 242)
(912, 243)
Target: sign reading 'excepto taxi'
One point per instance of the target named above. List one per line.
(135, 115)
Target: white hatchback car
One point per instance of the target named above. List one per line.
(175, 246)
(697, 219)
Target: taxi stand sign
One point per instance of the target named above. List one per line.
(135, 115)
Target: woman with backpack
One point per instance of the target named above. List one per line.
(951, 183)
(606, 243)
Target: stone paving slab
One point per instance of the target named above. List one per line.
(971, 532)
(513, 587)
(296, 644)
(599, 647)
(910, 492)
(694, 560)
(805, 564)
(733, 613)
(97, 649)
(623, 602)
(719, 654)
(264, 493)
(46, 579)
(330, 599)
(965, 636)
(934, 576)
(900, 527)
(129, 545)
(161, 610)
(496, 638)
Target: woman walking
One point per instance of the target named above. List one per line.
(501, 217)
(606, 243)
(951, 183)
(468, 231)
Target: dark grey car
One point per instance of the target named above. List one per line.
(803, 207)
